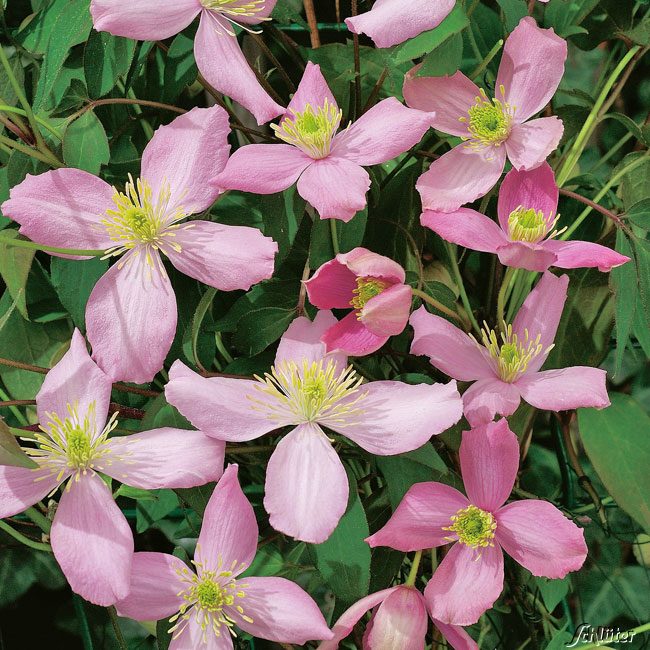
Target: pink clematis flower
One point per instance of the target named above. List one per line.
(524, 237)
(390, 22)
(207, 601)
(470, 577)
(373, 285)
(399, 620)
(306, 484)
(216, 50)
(530, 71)
(327, 166)
(506, 367)
(131, 313)
(91, 539)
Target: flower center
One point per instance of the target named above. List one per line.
(311, 130)
(235, 8)
(367, 288)
(473, 527)
(489, 121)
(530, 225)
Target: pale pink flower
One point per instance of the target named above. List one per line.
(530, 72)
(91, 539)
(328, 166)
(131, 313)
(207, 601)
(216, 50)
(306, 484)
(524, 237)
(470, 577)
(390, 22)
(373, 285)
(506, 366)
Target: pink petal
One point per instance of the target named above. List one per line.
(448, 348)
(529, 144)
(281, 611)
(92, 541)
(565, 389)
(335, 187)
(306, 489)
(194, 637)
(584, 254)
(21, 488)
(387, 314)
(456, 636)
(155, 584)
(352, 337)
(219, 406)
(531, 67)
(228, 537)
(225, 257)
(387, 130)
(312, 90)
(489, 462)
(332, 286)
(131, 318)
(184, 155)
(464, 587)
(262, 10)
(541, 538)
(487, 398)
(466, 228)
(460, 176)
(164, 458)
(140, 20)
(396, 417)
(523, 255)
(420, 518)
(449, 97)
(365, 263)
(62, 208)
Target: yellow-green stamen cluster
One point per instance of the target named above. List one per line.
(473, 527)
(488, 121)
(235, 8)
(367, 288)
(530, 225)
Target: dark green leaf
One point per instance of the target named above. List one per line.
(85, 145)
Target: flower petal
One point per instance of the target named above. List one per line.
(487, 398)
(583, 254)
(332, 286)
(21, 488)
(365, 263)
(523, 255)
(529, 144)
(387, 314)
(466, 228)
(263, 10)
(312, 90)
(194, 636)
(352, 337)
(456, 636)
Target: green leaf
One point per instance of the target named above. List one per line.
(444, 60)
(348, 236)
(15, 264)
(106, 59)
(180, 67)
(85, 145)
(257, 329)
(10, 451)
(624, 281)
(149, 512)
(639, 214)
(552, 591)
(513, 11)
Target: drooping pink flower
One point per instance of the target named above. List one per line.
(306, 484)
(506, 366)
(523, 238)
(470, 577)
(373, 285)
(399, 620)
(390, 22)
(216, 50)
(530, 71)
(91, 539)
(328, 166)
(131, 313)
(205, 602)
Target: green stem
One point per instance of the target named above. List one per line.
(222, 348)
(410, 582)
(503, 293)
(24, 243)
(486, 61)
(19, 111)
(434, 303)
(80, 611)
(112, 613)
(461, 286)
(48, 159)
(37, 546)
(335, 237)
(39, 519)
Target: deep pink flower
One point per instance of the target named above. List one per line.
(390, 22)
(91, 539)
(530, 71)
(306, 484)
(399, 621)
(470, 577)
(131, 313)
(327, 165)
(206, 601)
(373, 285)
(216, 50)
(527, 216)
(506, 367)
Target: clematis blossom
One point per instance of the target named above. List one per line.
(328, 166)
(207, 601)
(524, 237)
(91, 539)
(373, 285)
(216, 50)
(493, 128)
(131, 313)
(306, 490)
(480, 527)
(505, 367)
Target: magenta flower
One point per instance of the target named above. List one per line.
(131, 313)
(216, 50)
(530, 72)
(327, 166)
(390, 22)
(524, 237)
(373, 285)
(91, 539)
(207, 601)
(306, 484)
(470, 577)
(506, 367)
